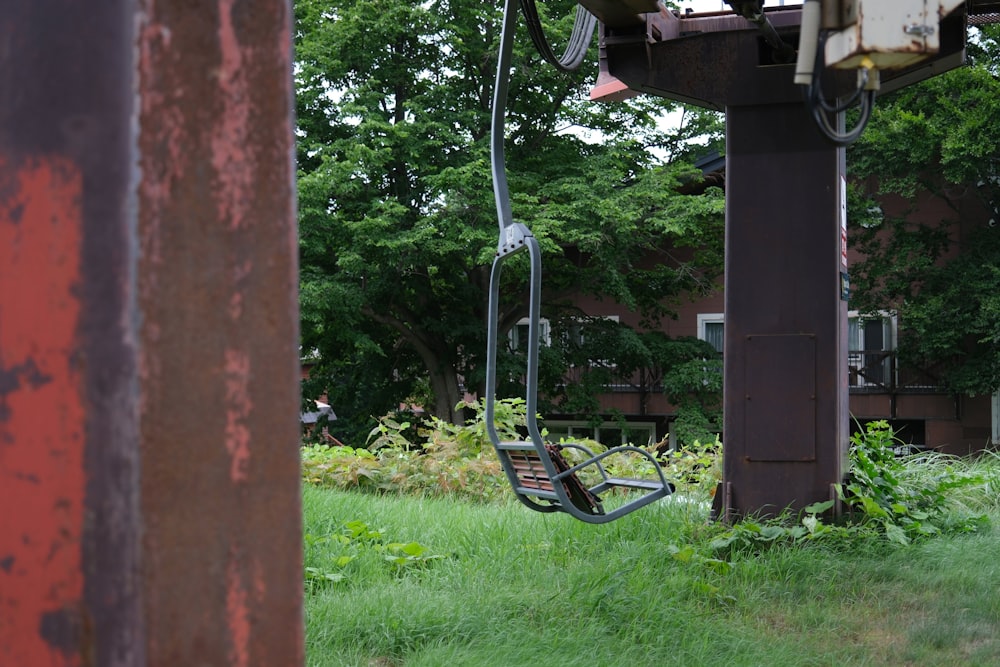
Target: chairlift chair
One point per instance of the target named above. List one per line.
(539, 473)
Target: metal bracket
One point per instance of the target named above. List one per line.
(512, 239)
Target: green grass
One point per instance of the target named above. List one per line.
(519, 588)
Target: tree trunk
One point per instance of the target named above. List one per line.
(444, 379)
(447, 394)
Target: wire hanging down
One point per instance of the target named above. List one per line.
(808, 71)
(583, 33)
(821, 108)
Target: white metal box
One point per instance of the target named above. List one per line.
(891, 33)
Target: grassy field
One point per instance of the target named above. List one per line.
(394, 581)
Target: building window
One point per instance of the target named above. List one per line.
(518, 335)
(871, 340)
(575, 335)
(712, 329)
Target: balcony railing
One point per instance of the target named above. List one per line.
(869, 372)
(878, 372)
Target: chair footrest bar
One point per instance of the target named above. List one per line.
(517, 445)
(649, 484)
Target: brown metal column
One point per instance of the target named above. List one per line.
(149, 498)
(785, 391)
(69, 478)
(786, 420)
(785, 399)
(218, 367)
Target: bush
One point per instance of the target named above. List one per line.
(443, 459)
(459, 460)
(893, 498)
(898, 498)
(910, 496)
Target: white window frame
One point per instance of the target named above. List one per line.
(544, 328)
(709, 318)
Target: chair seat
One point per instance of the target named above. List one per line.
(544, 480)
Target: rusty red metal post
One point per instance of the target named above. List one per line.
(148, 336)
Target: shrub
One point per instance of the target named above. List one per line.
(910, 496)
(458, 460)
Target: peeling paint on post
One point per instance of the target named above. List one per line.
(41, 414)
(68, 475)
(148, 336)
(218, 363)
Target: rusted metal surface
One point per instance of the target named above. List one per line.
(785, 405)
(786, 421)
(707, 60)
(42, 416)
(217, 289)
(717, 60)
(619, 13)
(148, 360)
(68, 470)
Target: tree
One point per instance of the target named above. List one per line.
(937, 137)
(397, 217)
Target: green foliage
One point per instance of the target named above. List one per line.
(389, 433)
(891, 498)
(318, 452)
(690, 371)
(442, 459)
(330, 558)
(696, 469)
(509, 570)
(440, 468)
(396, 213)
(436, 458)
(937, 140)
(645, 590)
(752, 535)
(886, 492)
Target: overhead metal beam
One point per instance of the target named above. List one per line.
(719, 59)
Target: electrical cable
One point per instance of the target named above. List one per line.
(583, 32)
(850, 101)
(845, 138)
(820, 107)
